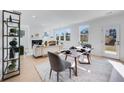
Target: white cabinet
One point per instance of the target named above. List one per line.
(37, 51)
(43, 50)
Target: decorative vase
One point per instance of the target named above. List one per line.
(10, 18)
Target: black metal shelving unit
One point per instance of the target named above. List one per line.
(8, 24)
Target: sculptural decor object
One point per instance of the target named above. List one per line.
(13, 48)
(13, 31)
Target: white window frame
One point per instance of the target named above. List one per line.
(83, 27)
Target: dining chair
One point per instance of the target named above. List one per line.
(87, 53)
(58, 65)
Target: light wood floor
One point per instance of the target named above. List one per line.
(28, 71)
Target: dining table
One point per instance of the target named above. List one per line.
(74, 53)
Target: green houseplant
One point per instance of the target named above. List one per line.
(13, 31)
(12, 66)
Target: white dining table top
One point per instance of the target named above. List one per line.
(74, 54)
(80, 47)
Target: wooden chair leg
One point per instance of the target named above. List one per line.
(73, 70)
(50, 73)
(57, 76)
(70, 72)
(66, 57)
(88, 58)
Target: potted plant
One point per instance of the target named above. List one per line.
(45, 43)
(12, 66)
(13, 31)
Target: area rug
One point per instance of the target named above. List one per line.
(97, 71)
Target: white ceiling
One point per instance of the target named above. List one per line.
(54, 18)
(58, 18)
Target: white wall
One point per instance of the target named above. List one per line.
(29, 31)
(25, 40)
(96, 34)
(0, 51)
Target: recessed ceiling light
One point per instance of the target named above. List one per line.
(109, 13)
(33, 16)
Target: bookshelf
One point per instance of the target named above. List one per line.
(10, 44)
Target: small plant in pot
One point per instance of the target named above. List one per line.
(12, 66)
(13, 31)
(45, 43)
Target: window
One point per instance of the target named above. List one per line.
(57, 37)
(63, 34)
(84, 34)
(67, 35)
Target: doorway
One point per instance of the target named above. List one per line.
(111, 42)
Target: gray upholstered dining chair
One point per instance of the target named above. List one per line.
(58, 65)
